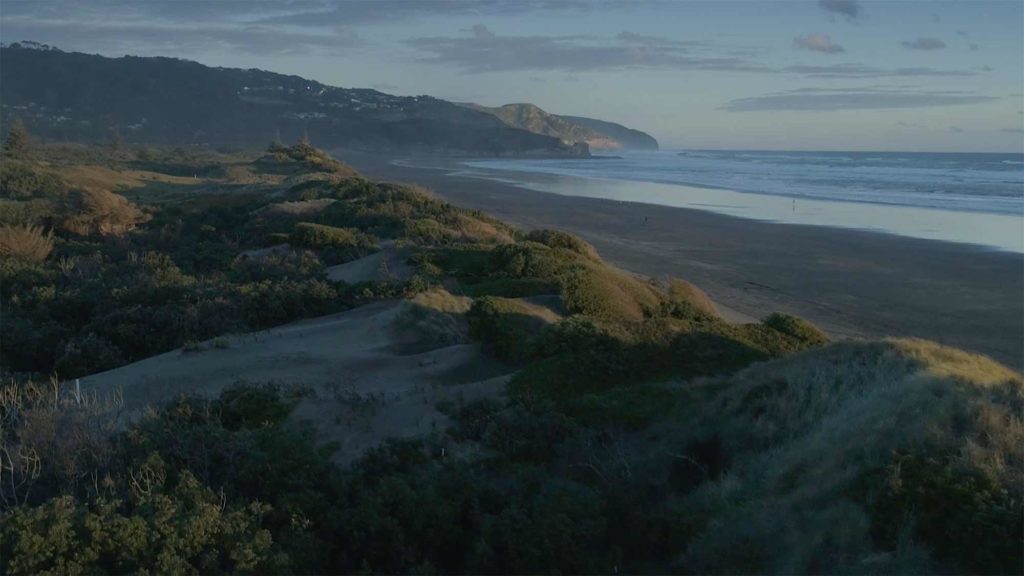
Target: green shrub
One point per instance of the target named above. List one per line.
(508, 328)
(21, 180)
(252, 406)
(804, 332)
(966, 518)
(511, 288)
(337, 244)
(559, 239)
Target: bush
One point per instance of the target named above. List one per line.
(98, 212)
(965, 517)
(21, 180)
(28, 243)
(337, 244)
(559, 239)
(804, 332)
(507, 328)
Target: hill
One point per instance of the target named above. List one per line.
(597, 134)
(90, 98)
(626, 137)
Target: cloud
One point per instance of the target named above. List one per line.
(486, 51)
(956, 129)
(261, 27)
(862, 71)
(936, 18)
(817, 43)
(924, 44)
(386, 86)
(832, 99)
(1012, 130)
(849, 8)
(160, 38)
(973, 47)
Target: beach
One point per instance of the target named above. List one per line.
(851, 283)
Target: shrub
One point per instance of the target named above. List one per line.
(337, 244)
(511, 287)
(28, 243)
(804, 332)
(559, 239)
(20, 180)
(508, 328)
(686, 301)
(89, 212)
(965, 517)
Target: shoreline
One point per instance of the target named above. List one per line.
(851, 283)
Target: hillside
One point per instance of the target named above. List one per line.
(275, 365)
(597, 134)
(626, 137)
(89, 98)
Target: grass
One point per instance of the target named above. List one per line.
(23, 242)
(814, 443)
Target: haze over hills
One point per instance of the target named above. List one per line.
(597, 134)
(83, 97)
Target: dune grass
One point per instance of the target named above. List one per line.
(888, 457)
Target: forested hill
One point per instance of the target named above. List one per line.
(83, 97)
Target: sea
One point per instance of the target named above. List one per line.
(971, 198)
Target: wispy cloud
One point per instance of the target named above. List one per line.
(831, 99)
(849, 8)
(862, 71)
(924, 44)
(1013, 130)
(817, 43)
(956, 129)
(487, 51)
(179, 37)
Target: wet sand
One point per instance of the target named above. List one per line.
(850, 283)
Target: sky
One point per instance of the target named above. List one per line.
(914, 75)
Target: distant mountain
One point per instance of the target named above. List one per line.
(627, 137)
(83, 97)
(597, 134)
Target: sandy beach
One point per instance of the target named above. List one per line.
(851, 283)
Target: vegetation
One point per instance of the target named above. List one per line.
(28, 243)
(639, 432)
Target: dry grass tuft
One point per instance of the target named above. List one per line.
(25, 243)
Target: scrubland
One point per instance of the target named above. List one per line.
(463, 396)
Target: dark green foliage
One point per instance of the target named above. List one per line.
(17, 144)
(966, 518)
(511, 288)
(164, 525)
(336, 244)
(22, 180)
(803, 331)
(507, 329)
(301, 157)
(559, 239)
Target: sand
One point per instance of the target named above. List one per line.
(853, 284)
(360, 387)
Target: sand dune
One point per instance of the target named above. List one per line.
(360, 387)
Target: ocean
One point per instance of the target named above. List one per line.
(957, 197)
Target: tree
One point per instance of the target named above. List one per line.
(18, 143)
